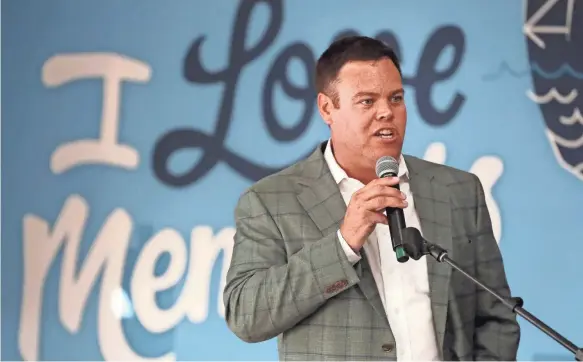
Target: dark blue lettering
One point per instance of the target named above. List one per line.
(213, 145)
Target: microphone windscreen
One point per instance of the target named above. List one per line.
(386, 166)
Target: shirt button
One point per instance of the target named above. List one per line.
(388, 347)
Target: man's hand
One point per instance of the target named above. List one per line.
(366, 207)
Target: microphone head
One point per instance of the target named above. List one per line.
(387, 166)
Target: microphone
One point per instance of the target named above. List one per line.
(416, 246)
(387, 166)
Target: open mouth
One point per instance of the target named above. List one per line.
(386, 134)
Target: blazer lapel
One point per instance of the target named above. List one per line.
(322, 200)
(434, 209)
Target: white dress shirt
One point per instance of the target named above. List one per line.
(403, 287)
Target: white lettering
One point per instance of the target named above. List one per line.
(194, 298)
(40, 248)
(145, 284)
(203, 254)
(107, 256)
(487, 168)
(114, 69)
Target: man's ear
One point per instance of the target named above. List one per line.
(325, 106)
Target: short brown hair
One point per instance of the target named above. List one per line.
(344, 50)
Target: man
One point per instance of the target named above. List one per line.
(312, 261)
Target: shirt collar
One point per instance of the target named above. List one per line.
(339, 174)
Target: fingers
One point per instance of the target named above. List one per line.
(382, 202)
(377, 218)
(366, 207)
(386, 181)
(379, 187)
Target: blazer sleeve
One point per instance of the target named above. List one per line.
(497, 333)
(267, 291)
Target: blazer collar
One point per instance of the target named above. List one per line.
(340, 175)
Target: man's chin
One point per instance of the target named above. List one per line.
(383, 147)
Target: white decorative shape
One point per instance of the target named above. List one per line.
(555, 140)
(576, 117)
(121, 305)
(531, 28)
(553, 94)
(435, 152)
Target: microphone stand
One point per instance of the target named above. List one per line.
(416, 247)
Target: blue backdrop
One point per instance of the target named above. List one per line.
(130, 128)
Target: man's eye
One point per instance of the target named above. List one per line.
(397, 98)
(366, 102)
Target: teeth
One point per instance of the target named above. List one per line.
(385, 133)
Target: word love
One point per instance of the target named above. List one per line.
(213, 148)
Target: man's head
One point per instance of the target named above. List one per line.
(360, 96)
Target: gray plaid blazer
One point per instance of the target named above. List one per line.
(290, 278)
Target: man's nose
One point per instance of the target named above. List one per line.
(385, 112)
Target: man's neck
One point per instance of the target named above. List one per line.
(358, 171)
(365, 175)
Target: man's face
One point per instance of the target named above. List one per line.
(370, 118)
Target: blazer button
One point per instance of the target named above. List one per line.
(388, 347)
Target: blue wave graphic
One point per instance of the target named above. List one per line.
(504, 68)
(564, 70)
